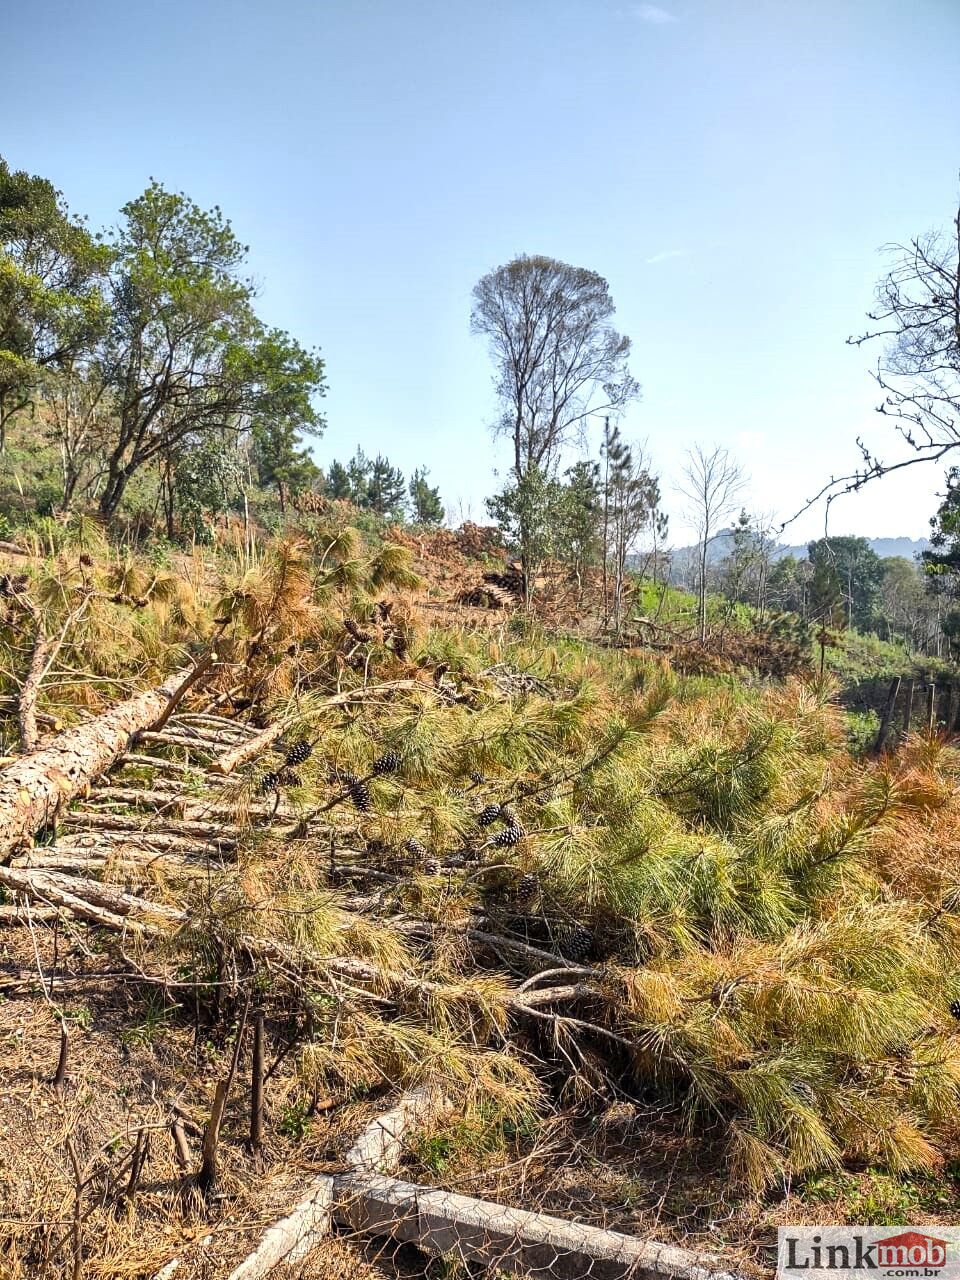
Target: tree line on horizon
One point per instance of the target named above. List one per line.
(138, 361)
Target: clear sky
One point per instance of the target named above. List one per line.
(730, 166)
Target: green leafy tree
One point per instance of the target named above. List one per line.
(78, 421)
(950, 624)
(186, 354)
(738, 566)
(205, 477)
(745, 571)
(631, 496)
(52, 305)
(943, 557)
(425, 499)
(857, 571)
(789, 585)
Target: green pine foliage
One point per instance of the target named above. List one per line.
(726, 864)
(773, 929)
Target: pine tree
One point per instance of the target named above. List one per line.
(371, 484)
(528, 514)
(386, 488)
(631, 496)
(337, 482)
(424, 499)
(281, 461)
(579, 539)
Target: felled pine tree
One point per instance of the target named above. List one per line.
(716, 858)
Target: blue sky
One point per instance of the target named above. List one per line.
(731, 168)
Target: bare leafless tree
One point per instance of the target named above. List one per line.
(917, 317)
(918, 313)
(712, 483)
(557, 356)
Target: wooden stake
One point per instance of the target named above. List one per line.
(256, 1088)
(207, 1173)
(61, 1072)
(908, 708)
(887, 714)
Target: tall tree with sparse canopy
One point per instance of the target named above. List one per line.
(557, 356)
(556, 352)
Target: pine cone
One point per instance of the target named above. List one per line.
(290, 778)
(955, 1009)
(476, 777)
(414, 847)
(576, 943)
(528, 887)
(360, 795)
(508, 837)
(389, 762)
(488, 815)
(431, 867)
(301, 750)
(341, 777)
(269, 782)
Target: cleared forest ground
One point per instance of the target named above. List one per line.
(680, 966)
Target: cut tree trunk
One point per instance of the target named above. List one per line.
(33, 790)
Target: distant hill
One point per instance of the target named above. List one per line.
(909, 548)
(684, 558)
